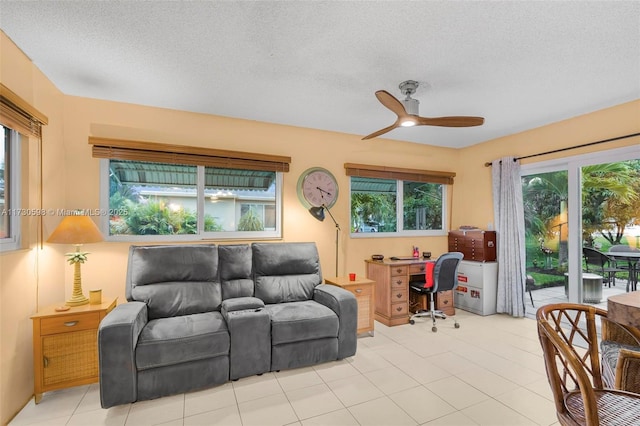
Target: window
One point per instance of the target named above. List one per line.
(148, 199)
(10, 211)
(396, 201)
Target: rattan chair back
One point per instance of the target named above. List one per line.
(569, 339)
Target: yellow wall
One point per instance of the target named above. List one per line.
(36, 277)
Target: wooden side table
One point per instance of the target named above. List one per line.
(65, 346)
(364, 290)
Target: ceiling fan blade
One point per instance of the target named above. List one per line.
(389, 101)
(454, 121)
(381, 131)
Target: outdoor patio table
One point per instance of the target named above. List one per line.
(633, 257)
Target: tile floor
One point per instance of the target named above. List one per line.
(488, 372)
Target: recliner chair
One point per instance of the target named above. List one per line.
(445, 278)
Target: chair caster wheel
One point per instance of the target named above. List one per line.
(456, 325)
(434, 329)
(412, 322)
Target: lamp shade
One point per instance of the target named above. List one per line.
(76, 230)
(317, 212)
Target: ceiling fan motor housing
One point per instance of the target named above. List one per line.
(411, 105)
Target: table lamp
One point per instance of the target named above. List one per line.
(76, 230)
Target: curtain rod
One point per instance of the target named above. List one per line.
(572, 147)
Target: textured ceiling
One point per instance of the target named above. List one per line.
(317, 64)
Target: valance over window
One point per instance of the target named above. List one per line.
(384, 172)
(17, 114)
(178, 154)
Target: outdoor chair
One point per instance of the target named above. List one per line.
(569, 340)
(627, 264)
(602, 263)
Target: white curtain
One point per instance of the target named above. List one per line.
(509, 223)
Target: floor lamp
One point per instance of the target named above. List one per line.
(318, 213)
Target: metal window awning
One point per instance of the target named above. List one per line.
(373, 185)
(159, 174)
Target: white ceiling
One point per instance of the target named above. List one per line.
(317, 64)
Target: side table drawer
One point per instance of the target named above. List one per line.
(67, 323)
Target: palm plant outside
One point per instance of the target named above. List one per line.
(610, 203)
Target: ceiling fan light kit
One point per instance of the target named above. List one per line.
(407, 111)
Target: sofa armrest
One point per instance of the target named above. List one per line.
(117, 339)
(240, 304)
(628, 371)
(344, 304)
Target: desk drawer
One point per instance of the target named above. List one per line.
(67, 323)
(418, 268)
(399, 295)
(399, 309)
(399, 283)
(399, 270)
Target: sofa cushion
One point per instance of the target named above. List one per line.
(235, 265)
(285, 272)
(609, 351)
(299, 321)
(175, 340)
(174, 280)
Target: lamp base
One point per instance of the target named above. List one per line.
(77, 301)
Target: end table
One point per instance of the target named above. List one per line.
(364, 290)
(65, 346)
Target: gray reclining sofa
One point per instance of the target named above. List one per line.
(200, 315)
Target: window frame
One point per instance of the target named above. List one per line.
(201, 235)
(14, 208)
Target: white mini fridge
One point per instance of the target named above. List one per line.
(477, 287)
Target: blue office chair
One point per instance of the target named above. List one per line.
(445, 278)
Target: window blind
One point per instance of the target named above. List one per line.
(17, 114)
(178, 154)
(397, 173)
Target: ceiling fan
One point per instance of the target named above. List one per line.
(407, 112)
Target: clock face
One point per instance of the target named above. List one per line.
(316, 187)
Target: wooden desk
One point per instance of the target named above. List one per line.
(625, 309)
(392, 279)
(364, 290)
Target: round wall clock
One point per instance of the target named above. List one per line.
(317, 186)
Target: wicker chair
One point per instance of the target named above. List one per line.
(569, 342)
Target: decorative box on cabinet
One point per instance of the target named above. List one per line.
(474, 245)
(477, 287)
(65, 346)
(364, 290)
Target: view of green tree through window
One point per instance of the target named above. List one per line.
(148, 198)
(610, 194)
(395, 206)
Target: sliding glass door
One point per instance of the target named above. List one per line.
(591, 201)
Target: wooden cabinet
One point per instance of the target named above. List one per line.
(475, 245)
(392, 294)
(364, 290)
(65, 346)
